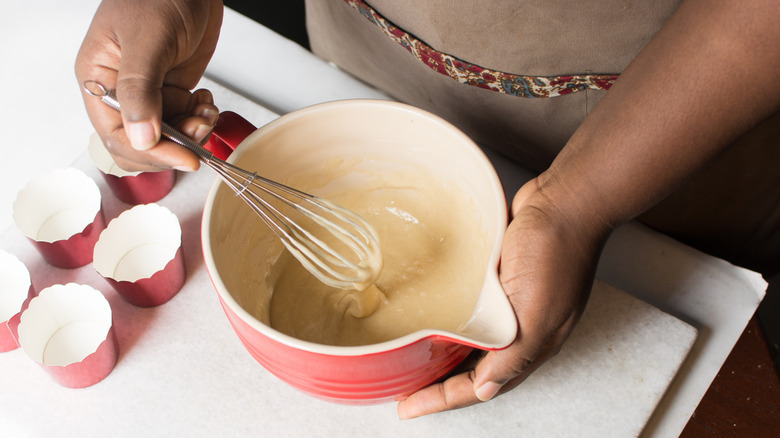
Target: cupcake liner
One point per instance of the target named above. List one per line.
(16, 291)
(61, 213)
(140, 255)
(68, 330)
(132, 188)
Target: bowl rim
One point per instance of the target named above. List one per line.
(383, 347)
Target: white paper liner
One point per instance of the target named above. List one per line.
(64, 324)
(138, 243)
(103, 160)
(56, 205)
(14, 285)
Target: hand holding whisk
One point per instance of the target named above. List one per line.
(336, 245)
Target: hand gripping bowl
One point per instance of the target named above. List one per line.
(383, 136)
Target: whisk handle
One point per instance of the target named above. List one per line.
(108, 97)
(176, 136)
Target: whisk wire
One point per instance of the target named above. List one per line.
(317, 256)
(328, 264)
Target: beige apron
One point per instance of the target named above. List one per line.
(731, 210)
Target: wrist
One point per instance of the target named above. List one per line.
(567, 207)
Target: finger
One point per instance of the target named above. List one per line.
(208, 112)
(165, 154)
(201, 104)
(200, 100)
(197, 104)
(196, 128)
(158, 67)
(141, 100)
(180, 158)
(514, 363)
(500, 371)
(497, 373)
(454, 393)
(139, 88)
(108, 125)
(492, 372)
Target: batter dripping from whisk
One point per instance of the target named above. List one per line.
(433, 271)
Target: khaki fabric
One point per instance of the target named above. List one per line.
(731, 210)
(533, 37)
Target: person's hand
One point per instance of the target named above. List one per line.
(152, 53)
(547, 269)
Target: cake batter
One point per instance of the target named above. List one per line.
(434, 266)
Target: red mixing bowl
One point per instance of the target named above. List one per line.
(386, 135)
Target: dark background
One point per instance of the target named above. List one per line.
(285, 17)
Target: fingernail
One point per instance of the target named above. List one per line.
(202, 132)
(401, 410)
(183, 168)
(141, 135)
(487, 391)
(209, 114)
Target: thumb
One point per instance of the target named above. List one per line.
(522, 195)
(139, 91)
(500, 371)
(498, 368)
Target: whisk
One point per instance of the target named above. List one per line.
(335, 244)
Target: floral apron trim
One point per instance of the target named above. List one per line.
(472, 74)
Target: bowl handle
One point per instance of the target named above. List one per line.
(231, 129)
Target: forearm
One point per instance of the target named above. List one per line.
(709, 75)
